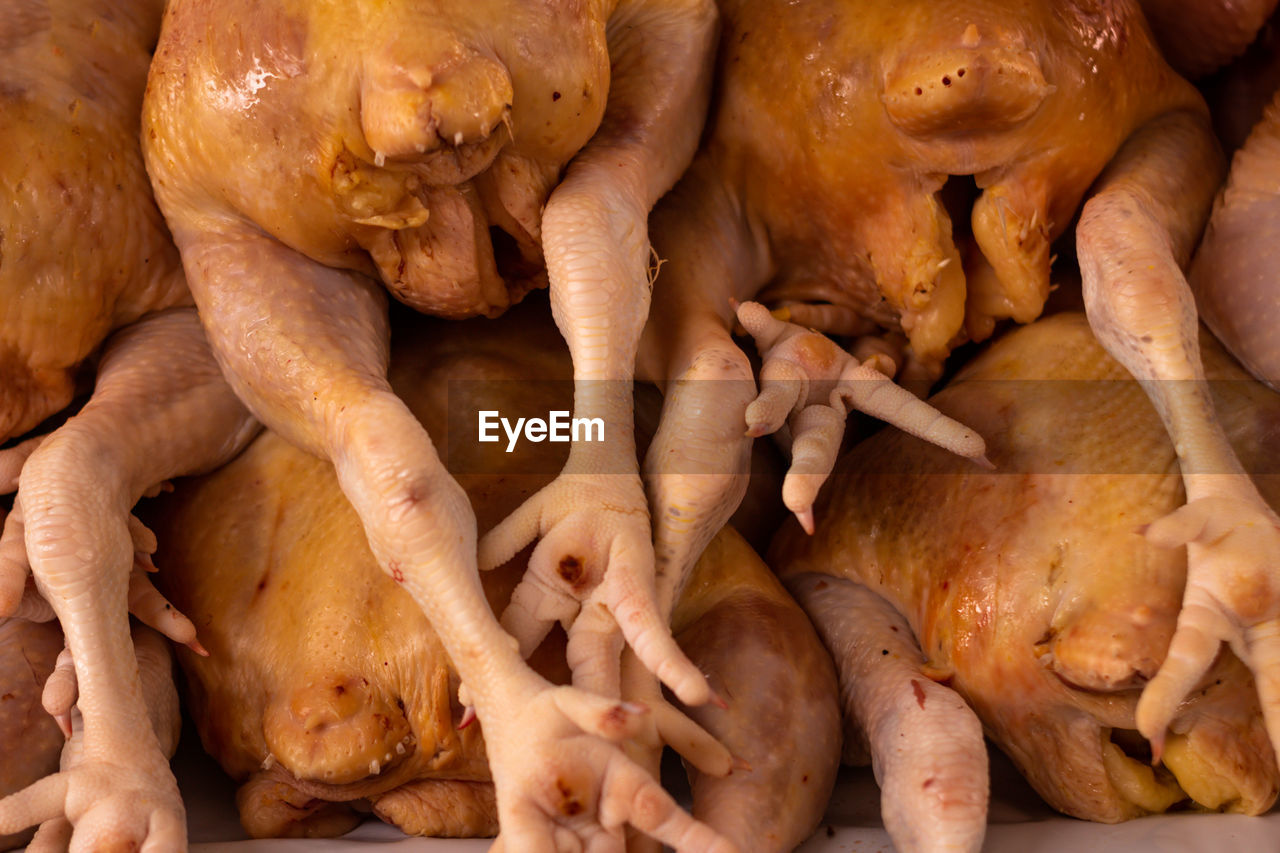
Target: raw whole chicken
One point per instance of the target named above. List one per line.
(325, 684)
(85, 252)
(1032, 590)
(833, 186)
(311, 157)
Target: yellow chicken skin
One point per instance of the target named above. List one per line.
(1032, 590)
(310, 158)
(823, 190)
(325, 683)
(72, 181)
(84, 253)
(820, 192)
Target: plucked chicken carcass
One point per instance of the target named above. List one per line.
(325, 683)
(1032, 590)
(85, 252)
(310, 157)
(825, 188)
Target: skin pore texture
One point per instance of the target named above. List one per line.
(1033, 593)
(826, 189)
(372, 714)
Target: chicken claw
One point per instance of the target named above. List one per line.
(812, 384)
(111, 805)
(1229, 598)
(579, 791)
(588, 573)
(20, 598)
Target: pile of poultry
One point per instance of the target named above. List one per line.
(750, 219)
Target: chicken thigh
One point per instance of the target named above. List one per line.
(302, 154)
(1234, 274)
(325, 684)
(1200, 36)
(1032, 590)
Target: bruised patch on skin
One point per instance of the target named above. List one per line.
(919, 691)
(570, 805)
(572, 570)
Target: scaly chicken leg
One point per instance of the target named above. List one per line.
(155, 674)
(1135, 236)
(597, 252)
(75, 494)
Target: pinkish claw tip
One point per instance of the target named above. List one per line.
(805, 517)
(740, 764)
(983, 462)
(196, 646)
(64, 723)
(718, 701)
(468, 717)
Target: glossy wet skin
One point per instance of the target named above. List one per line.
(890, 100)
(1031, 590)
(396, 166)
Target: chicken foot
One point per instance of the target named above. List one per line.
(697, 465)
(556, 772)
(1132, 241)
(592, 569)
(20, 599)
(811, 384)
(155, 672)
(75, 494)
(927, 748)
